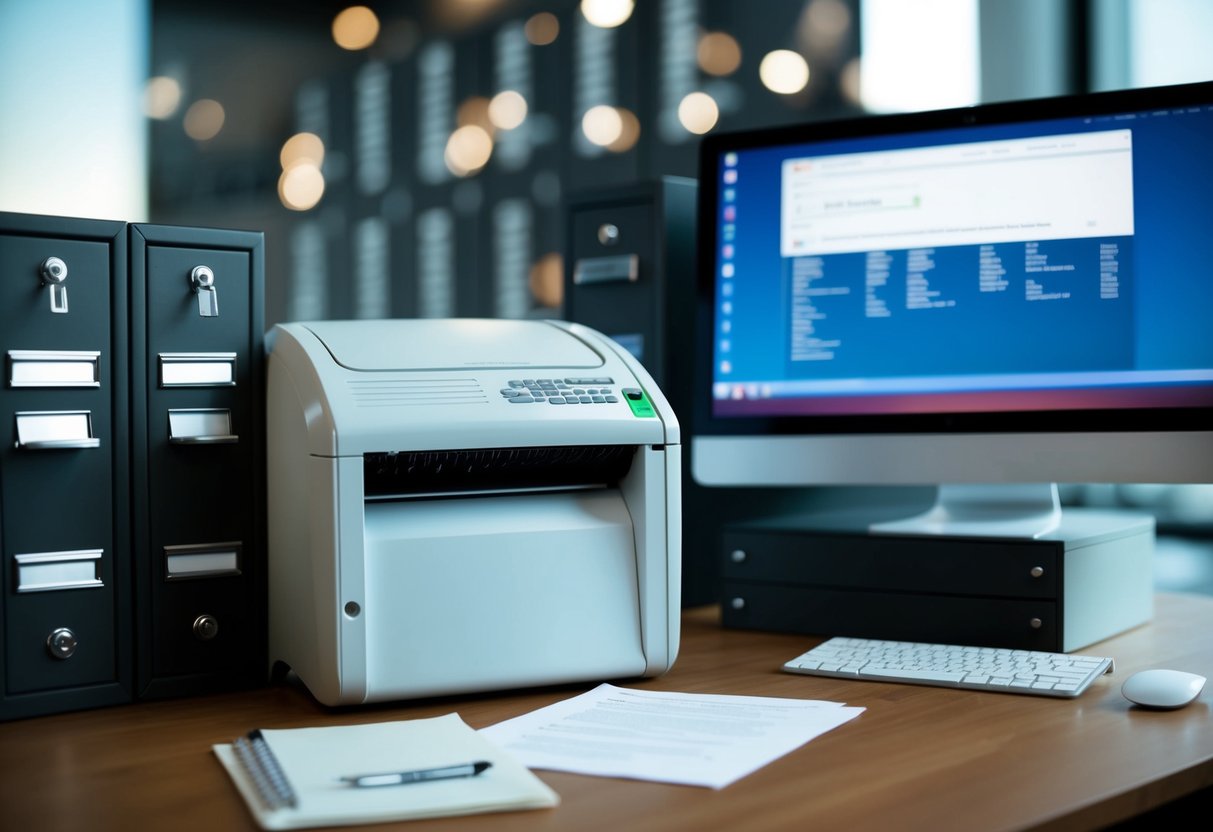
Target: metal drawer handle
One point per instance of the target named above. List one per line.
(59, 444)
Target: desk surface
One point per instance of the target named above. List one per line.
(917, 758)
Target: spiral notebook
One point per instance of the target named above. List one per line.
(303, 777)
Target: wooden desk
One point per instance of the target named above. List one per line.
(918, 758)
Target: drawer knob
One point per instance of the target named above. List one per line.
(608, 233)
(738, 603)
(1035, 623)
(206, 627)
(737, 555)
(1037, 571)
(61, 643)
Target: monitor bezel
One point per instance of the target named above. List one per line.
(713, 146)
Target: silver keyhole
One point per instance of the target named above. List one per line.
(202, 277)
(54, 272)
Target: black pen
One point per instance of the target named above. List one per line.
(400, 778)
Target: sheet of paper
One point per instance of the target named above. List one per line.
(689, 738)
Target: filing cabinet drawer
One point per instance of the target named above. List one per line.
(174, 323)
(892, 564)
(79, 316)
(61, 638)
(206, 627)
(990, 622)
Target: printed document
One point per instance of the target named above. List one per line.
(688, 738)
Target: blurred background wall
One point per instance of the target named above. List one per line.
(414, 158)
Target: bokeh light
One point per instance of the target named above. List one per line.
(204, 119)
(698, 112)
(300, 148)
(629, 131)
(161, 97)
(784, 71)
(468, 150)
(542, 29)
(607, 14)
(301, 186)
(355, 28)
(507, 110)
(602, 125)
(718, 54)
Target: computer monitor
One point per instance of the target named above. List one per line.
(992, 299)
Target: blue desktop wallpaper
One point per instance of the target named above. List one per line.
(1155, 319)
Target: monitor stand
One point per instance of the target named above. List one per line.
(985, 510)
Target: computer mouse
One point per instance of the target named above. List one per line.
(1161, 688)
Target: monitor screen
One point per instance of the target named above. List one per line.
(1015, 292)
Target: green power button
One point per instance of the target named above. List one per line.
(639, 402)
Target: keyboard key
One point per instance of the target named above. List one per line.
(915, 675)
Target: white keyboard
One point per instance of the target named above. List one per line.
(953, 666)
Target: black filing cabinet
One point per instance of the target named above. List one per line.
(197, 428)
(64, 472)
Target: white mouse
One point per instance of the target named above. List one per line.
(1159, 688)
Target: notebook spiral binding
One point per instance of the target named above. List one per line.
(262, 766)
